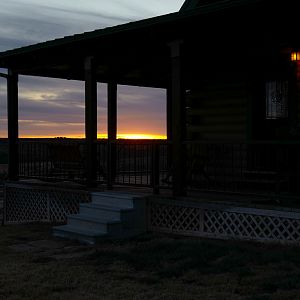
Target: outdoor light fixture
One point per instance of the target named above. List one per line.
(295, 56)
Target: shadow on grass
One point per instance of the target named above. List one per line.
(223, 269)
(169, 257)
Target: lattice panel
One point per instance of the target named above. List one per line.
(26, 205)
(220, 222)
(65, 203)
(22, 206)
(175, 218)
(251, 226)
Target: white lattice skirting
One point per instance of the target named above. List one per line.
(27, 204)
(223, 221)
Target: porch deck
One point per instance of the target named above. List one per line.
(221, 216)
(233, 190)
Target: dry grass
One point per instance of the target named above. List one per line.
(148, 267)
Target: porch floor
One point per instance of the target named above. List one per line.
(217, 215)
(251, 200)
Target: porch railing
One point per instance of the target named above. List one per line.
(142, 163)
(258, 167)
(53, 159)
(246, 167)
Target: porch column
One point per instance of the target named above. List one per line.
(169, 113)
(111, 133)
(177, 120)
(13, 128)
(169, 129)
(91, 121)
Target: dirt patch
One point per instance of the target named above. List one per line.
(34, 265)
(3, 168)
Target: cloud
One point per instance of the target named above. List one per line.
(57, 106)
(23, 24)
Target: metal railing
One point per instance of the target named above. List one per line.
(246, 167)
(139, 163)
(53, 159)
(259, 167)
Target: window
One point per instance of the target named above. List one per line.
(276, 99)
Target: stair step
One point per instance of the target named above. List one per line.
(88, 236)
(116, 195)
(104, 211)
(112, 215)
(119, 203)
(86, 221)
(115, 199)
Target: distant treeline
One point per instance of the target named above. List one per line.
(4, 143)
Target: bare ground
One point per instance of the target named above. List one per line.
(34, 265)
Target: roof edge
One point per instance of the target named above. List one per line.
(140, 24)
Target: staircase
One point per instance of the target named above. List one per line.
(110, 215)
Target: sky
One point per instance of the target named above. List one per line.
(51, 107)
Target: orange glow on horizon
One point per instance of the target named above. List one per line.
(141, 136)
(131, 136)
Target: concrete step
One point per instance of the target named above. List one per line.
(115, 199)
(87, 236)
(108, 226)
(107, 212)
(109, 215)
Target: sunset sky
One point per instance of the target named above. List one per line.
(49, 107)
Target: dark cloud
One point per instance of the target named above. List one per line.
(57, 106)
(27, 24)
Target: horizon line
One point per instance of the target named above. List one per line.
(129, 136)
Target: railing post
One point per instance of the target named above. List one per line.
(155, 168)
(111, 163)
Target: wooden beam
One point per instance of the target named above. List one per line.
(91, 121)
(111, 132)
(178, 130)
(13, 128)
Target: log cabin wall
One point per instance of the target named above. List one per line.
(297, 93)
(217, 111)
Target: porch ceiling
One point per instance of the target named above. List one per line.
(137, 53)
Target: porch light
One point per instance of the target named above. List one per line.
(295, 56)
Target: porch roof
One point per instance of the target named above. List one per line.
(137, 53)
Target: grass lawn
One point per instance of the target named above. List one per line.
(33, 265)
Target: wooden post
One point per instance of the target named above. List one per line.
(91, 121)
(178, 120)
(169, 132)
(155, 168)
(13, 130)
(169, 113)
(111, 133)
